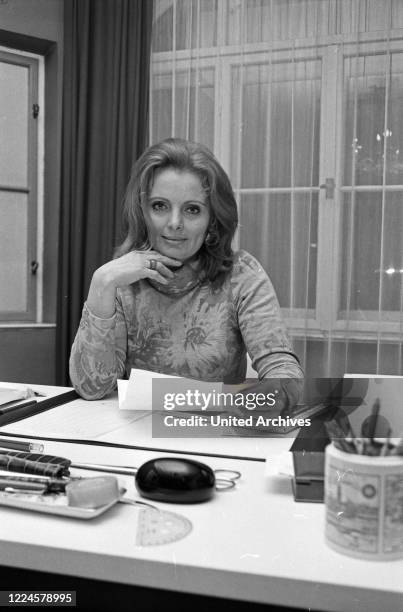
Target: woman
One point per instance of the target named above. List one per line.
(176, 299)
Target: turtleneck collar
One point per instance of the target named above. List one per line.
(185, 278)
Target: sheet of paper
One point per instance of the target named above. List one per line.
(79, 419)
(136, 393)
(145, 391)
(122, 389)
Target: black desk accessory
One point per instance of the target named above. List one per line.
(34, 463)
(26, 410)
(308, 452)
(173, 480)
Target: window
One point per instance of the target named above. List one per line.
(302, 102)
(372, 187)
(20, 189)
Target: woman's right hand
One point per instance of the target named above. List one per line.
(124, 271)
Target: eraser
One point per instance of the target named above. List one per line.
(92, 492)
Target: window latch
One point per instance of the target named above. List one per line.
(328, 186)
(35, 110)
(34, 267)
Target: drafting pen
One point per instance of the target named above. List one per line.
(19, 445)
(113, 469)
(48, 485)
(12, 486)
(374, 419)
(25, 404)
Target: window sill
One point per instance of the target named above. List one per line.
(25, 324)
(346, 335)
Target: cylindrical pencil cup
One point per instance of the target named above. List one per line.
(364, 504)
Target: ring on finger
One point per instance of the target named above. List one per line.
(152, 264)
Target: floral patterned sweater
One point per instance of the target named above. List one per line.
(187, 329)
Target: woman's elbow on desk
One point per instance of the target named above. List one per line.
(93, 373)
(91, 387)
(92, 391)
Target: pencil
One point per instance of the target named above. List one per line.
(19, 445)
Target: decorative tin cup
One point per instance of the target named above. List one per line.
(364, 504)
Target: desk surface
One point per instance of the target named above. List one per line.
(253, 543)
(101, 420)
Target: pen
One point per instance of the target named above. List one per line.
(370, 428)
(48, 485)
(11, 486)
(375, 413)
(25, 404)
(113, 469)
(19, 445)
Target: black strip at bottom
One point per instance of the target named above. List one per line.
(102, 596)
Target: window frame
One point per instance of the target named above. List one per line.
(388, 324)
(34, 187)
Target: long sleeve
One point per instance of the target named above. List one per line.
(98, 354)
(261, 323)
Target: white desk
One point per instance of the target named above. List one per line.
(254, 544)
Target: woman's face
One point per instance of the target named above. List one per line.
(177, 213)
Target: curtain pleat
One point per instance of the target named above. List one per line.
(105, 102)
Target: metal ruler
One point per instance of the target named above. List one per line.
(157, 527)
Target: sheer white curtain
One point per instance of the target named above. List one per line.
(302, 102)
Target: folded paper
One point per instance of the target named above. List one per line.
(136, 393)
(146, 390)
